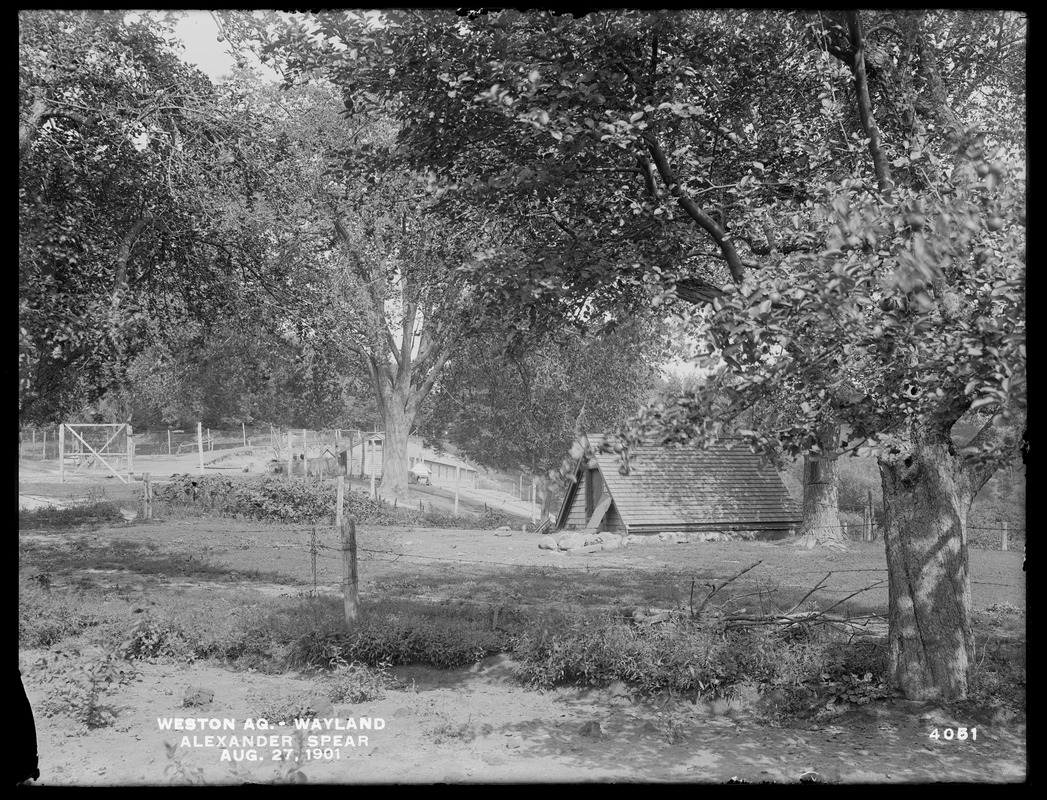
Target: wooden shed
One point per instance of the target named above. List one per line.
(725, 488)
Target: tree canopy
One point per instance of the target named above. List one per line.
(833, 203)
(521, 405)
(845, 189)
(121, 146)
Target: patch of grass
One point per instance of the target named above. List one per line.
(797, 676)
(447, 731)
(487, 521)
(597, 650)
(285, 708)
(140, 558)
(57, 518)
(603, 589)
(46, 617)
(997, 677)
(281, 634)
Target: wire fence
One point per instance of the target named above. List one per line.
(481, 568)
(269, 440)
(359, 452)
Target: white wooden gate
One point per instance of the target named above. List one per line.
(85, 445)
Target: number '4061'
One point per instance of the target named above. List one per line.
(959, 734)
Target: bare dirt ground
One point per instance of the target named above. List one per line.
(477, 724)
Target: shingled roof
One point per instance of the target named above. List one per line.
(725, 487)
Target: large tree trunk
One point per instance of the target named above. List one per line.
(398, 422)
(821, 496)
(926, 496)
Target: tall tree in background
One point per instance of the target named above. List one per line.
(399, 301)
(360, 266)
(624, 146)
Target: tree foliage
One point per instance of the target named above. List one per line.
(850, 183)
(244, 375)
(521, 407)
(120, 147)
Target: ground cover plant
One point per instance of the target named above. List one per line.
(90, 513)
(279, 500)
(45, 617)
(81, 688)
(561, 626)
(88, 555)
(142, 596)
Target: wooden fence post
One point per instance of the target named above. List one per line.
(363, 454)
(1004, 535)
(130, 451)
(337, 447)
(148, 497)
(350, 585)
(457, 478)
(290, 454)
(169, 441)
(243, 427)
(374, 493)
(312, 552)
(200, 444)
(872, 516)
(61, 453)
(340, 501)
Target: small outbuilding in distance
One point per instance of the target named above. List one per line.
(723, 489)
(420, 473)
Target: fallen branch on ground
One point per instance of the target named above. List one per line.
(714, 589)
(790, 618)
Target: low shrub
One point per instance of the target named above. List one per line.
(46, 617)
(997, 678)
(488, 520)
(798, 675)
(597, 651)
(310, 633)
(284, 708)
(357, 683)
(998, 669)
(444, 644)
(280, 500)
(95, 513)
(152, 638)
(80, 687)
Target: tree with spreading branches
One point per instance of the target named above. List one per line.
(841, 192)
